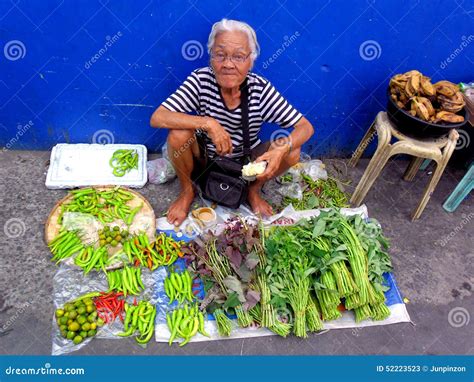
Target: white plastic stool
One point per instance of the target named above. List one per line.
(439, 150)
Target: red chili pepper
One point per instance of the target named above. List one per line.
(108, 305)
(117, 309)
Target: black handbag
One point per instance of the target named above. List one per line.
(223, 182)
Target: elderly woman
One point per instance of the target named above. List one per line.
(213, 95)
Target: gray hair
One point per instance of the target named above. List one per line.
(235, 26)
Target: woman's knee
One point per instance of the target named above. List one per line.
(180, 138)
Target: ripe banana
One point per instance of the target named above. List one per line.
(412, 73)
(427, 87)
(400, 105)
(420, 109)
(449, 84)
(414, 92)
(447, 116)
(452, 104)
(427, 103)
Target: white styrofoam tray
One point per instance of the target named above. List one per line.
(78, 165)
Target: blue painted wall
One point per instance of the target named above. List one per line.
(74, 71)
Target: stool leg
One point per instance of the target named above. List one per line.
(465, 186)
(362, 145)
(440, 166)
(425, 164)
(412, 169)
(371, 173)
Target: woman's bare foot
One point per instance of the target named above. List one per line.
(179, 209)
(258, 204)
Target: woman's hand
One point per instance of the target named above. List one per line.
(219, 136)
(273, 157)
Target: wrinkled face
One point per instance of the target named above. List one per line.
(231, 48)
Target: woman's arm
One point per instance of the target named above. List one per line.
(164, 118)
(167, 119)
(303, 130)
(280, 148)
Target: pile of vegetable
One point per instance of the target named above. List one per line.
(227, 264)
(178, 286)
(107, 205)
(65, 244)
(123, 161)
(92, 258)
(318, 266)
(292, 278)
(120, 255)
(78, 319)
(289, 279)
(127, 280)
(316, 193)
(164, 250)
(185, 323)
(141, 318)
(112, 236)
(110, 306)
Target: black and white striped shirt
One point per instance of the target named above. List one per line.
(200, 93)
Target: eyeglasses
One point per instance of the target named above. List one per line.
(235, 58)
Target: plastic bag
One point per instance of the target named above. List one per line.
(315, 169)
(160, 170)
(304, 157)
(70, 283)
(292, 190)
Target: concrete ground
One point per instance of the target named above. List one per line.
(432, 257)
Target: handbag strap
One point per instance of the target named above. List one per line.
(244, 101)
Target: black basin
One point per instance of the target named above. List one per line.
(417, 128)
